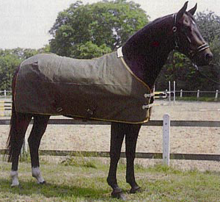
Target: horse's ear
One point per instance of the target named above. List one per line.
(181, 11)
(193, 10)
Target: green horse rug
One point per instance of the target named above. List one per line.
(99, 89)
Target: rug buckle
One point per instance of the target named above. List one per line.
(147, 106)
(149, 95)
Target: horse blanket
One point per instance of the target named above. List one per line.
(101, 89)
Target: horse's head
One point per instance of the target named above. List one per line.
(188, 39)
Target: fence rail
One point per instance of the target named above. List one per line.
(140, 155)
(197, 94)
(181, 123)
(179, 156)
(5, 93)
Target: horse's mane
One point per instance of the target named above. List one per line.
(150, 26)
(157, 21)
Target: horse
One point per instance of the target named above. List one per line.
(144, 53)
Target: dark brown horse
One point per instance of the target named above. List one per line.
(145, 54)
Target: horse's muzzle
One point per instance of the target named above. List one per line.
(203, 58)
(208, 57)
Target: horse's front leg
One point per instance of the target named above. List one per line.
(131, 141)
(117, 136)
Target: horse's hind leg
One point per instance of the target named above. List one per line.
(19, 124)
(117, 136)
(130, 141)
(39, 127)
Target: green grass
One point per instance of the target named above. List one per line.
(79, 183)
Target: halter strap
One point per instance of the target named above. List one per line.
(199, 49)
(174, 29)
(202, 47)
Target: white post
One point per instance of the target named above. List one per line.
(216, 95)
(174, 92)
(5, 93)
(169, 92)
(198, 94)
(181, 93)
(166, 139)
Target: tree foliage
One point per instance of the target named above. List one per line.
(10, 59)
(209, 25)
(8, 63)
(86, 31)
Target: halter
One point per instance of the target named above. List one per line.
(192, 53)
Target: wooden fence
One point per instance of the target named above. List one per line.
(166, 156)
(197, 94)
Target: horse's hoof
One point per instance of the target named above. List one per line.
(14, 185)
(44, 182)
(118, 194)
(135, 189)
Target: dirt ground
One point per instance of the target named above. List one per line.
(183, 139)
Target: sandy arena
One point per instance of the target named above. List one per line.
(183, 139)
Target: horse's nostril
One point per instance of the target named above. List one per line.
(208, 56)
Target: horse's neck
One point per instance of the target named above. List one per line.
(147, 51)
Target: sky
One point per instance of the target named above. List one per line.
(25, 23)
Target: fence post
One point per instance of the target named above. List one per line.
(174, 92)
(216, 95)
(169, 92)
(5, 93)
(198, 94)
(181, 93)
(166, 139)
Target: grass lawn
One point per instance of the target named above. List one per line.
(86, 182)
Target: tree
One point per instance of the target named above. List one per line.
(209, 24)
(8, 63)
(215, 68)
(10, 59)
(86, 31)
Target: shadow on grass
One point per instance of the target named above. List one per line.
(28, 188)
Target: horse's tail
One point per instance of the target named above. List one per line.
(12, 138)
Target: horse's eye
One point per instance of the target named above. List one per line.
(186, 22)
